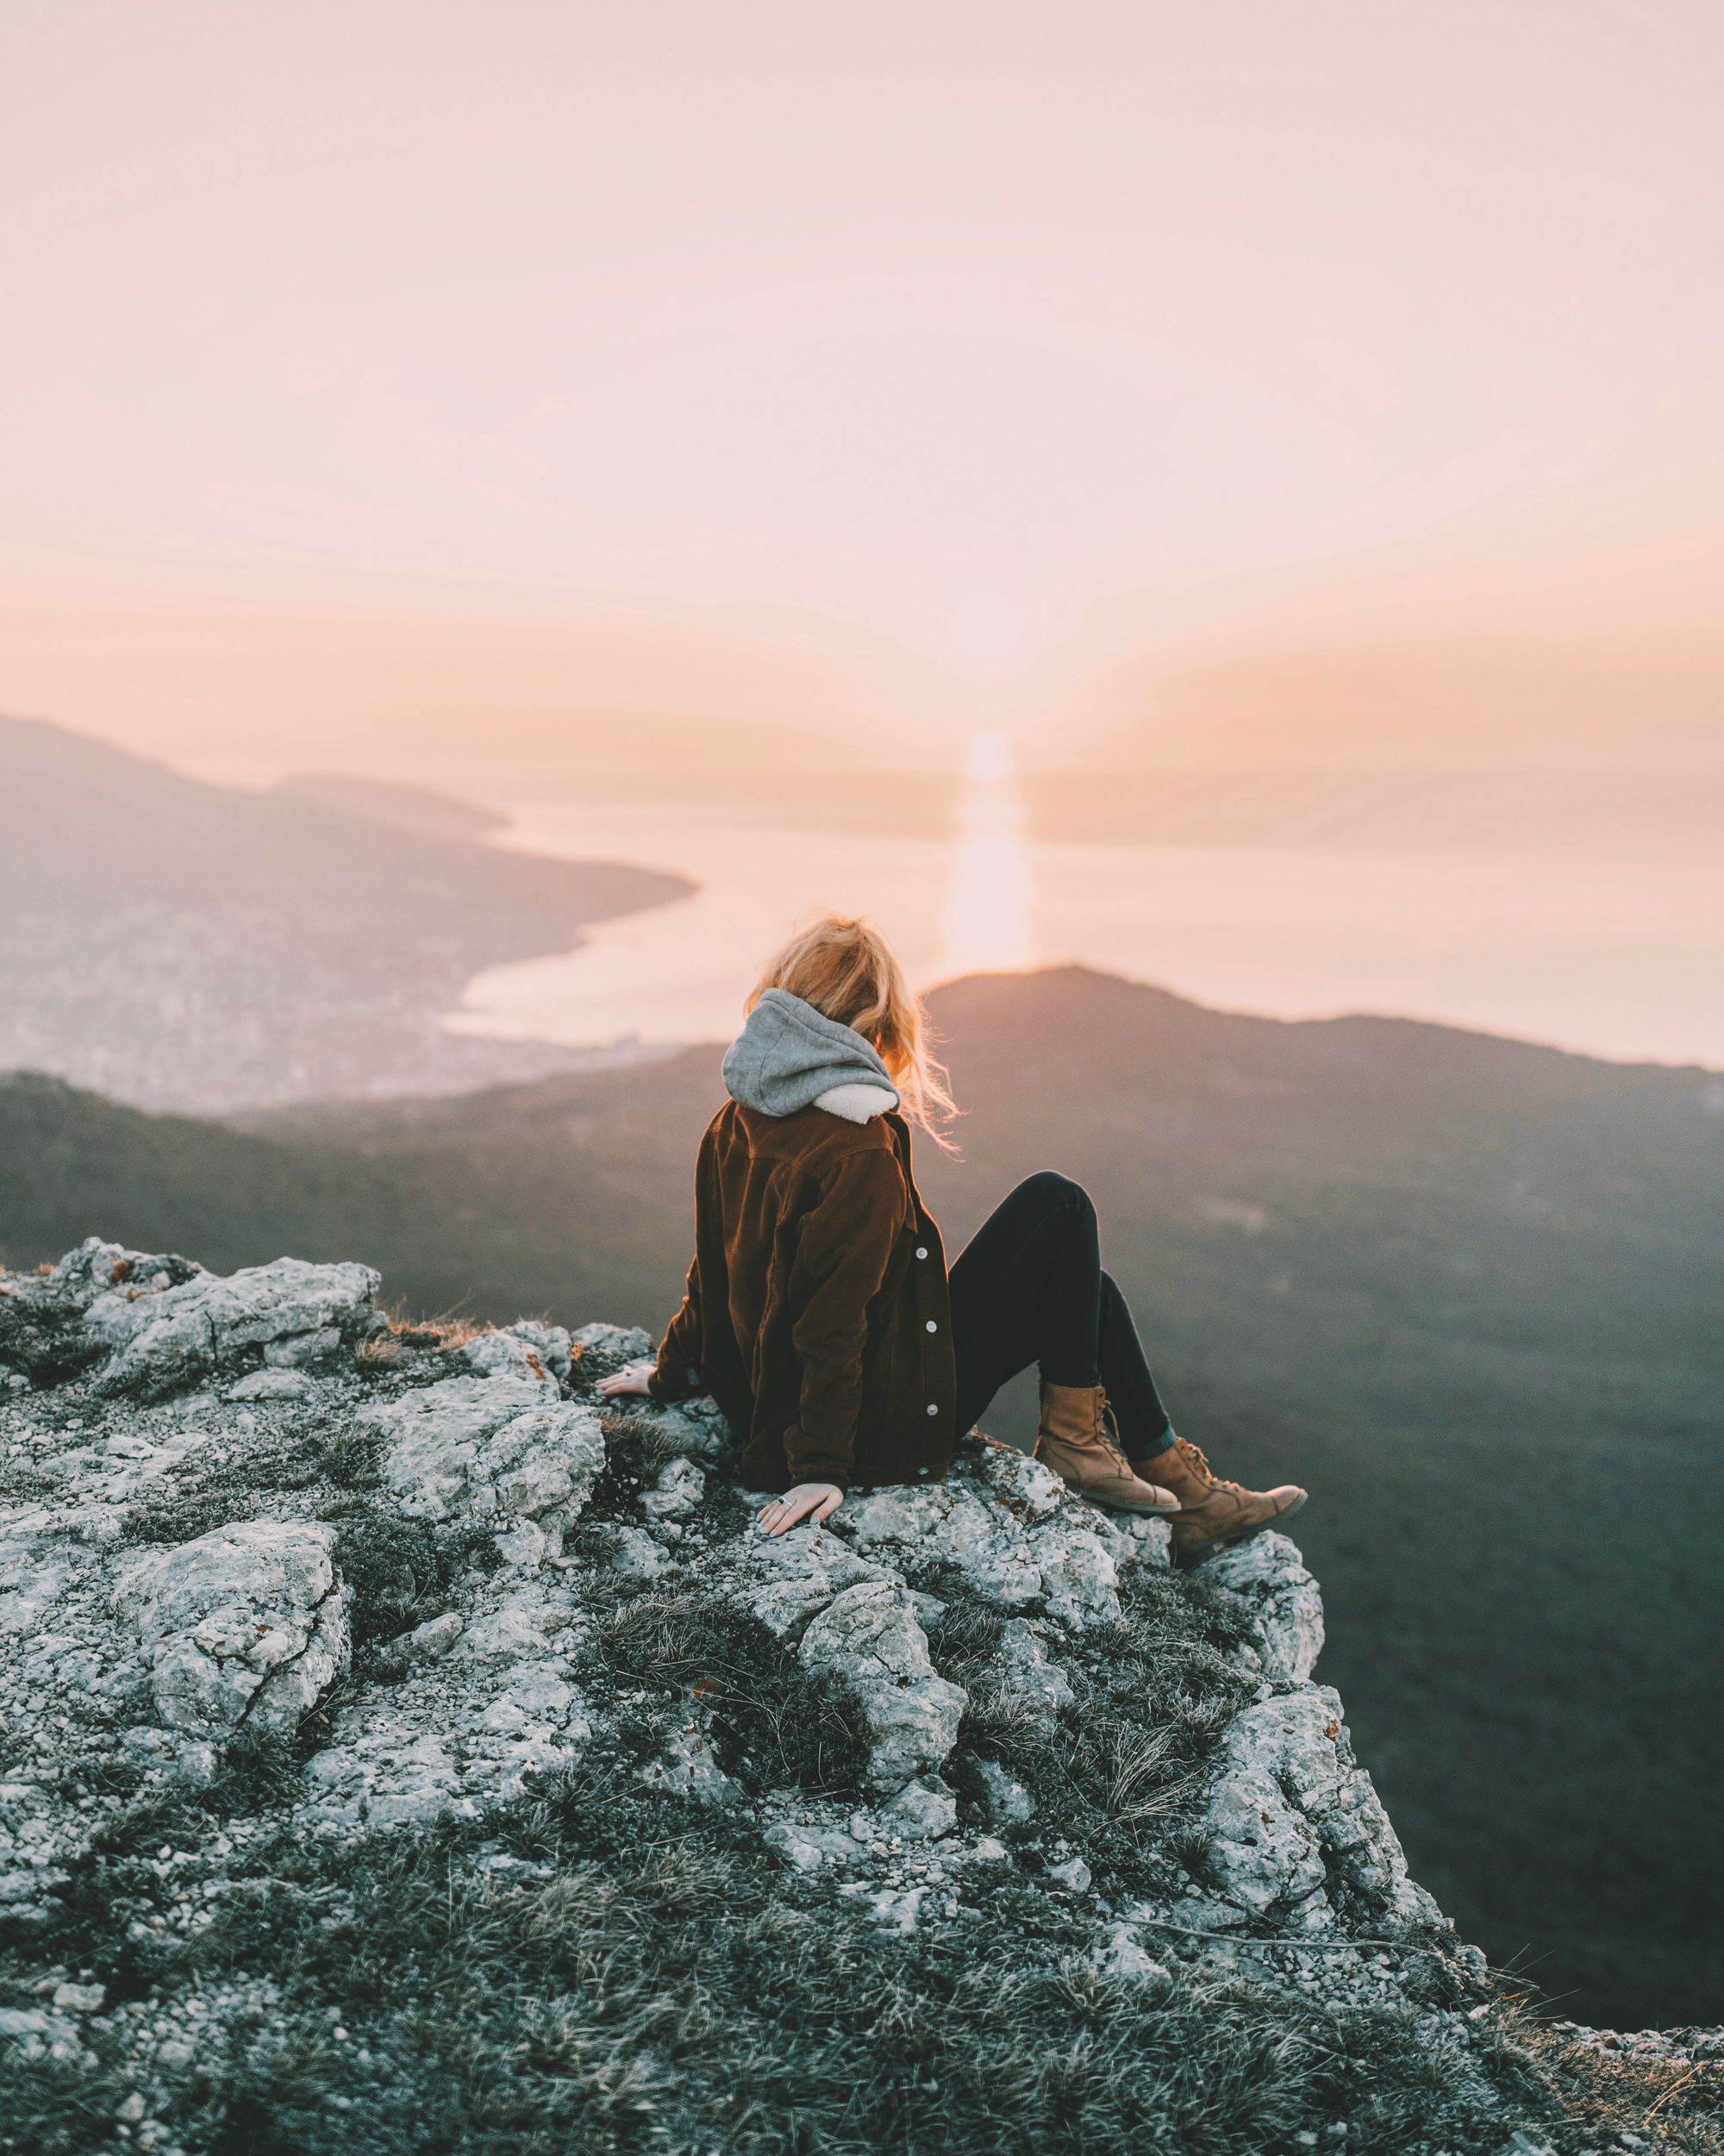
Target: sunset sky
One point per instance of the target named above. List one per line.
(387, 375)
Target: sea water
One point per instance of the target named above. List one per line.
(1622, 959)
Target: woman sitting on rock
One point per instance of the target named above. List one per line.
(820, 1315)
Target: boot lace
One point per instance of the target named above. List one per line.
(1108, 1431)
(1194, 1453)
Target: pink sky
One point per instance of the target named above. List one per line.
(378, 375)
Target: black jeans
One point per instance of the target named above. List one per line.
(1029, 1288)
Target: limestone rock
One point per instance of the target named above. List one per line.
(922, 1810)
(806, 1847)
(1122, 1953)
(1007, 1526)
(636, 1556)
(527, 1685)
(246, 1624)
(97, 1267)
(501, 1633)
(783, 1580)
(606, 1348)
(162, 1334)
(271, 1384)
(500, 1448)
(1262, 1849)
(462, 1732)
(687, 1767)
(1133, 1538)
(431, 1641)
(1028, 1671)
(301, 1352)
(1288, 1796)
(538, 1349)
(897, 1909)
(676, 1493)
(1282, 1601)
(380, 1780)
(1009, 1802)
(697, 1426)
(868, 1638)
(43, 1338)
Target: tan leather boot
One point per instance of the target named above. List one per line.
(1212, 1512)
(1077, 1442)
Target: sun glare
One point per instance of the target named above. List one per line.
(989, 912)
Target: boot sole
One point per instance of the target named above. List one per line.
(1188, 1562)
(1137, 1511)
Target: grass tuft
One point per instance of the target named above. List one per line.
(774, 1724)
(217, 1484)
(402, 1573)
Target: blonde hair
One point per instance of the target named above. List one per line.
(847, 969)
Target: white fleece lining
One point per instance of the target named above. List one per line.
(856, 1102)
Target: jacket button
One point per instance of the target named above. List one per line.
(932, 1327)
(922, 1471)
(933, 1407)
(921, 1250)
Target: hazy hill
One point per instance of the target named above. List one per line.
(179, 944)
(1469, 1290)
(66, 1154)
(417, 809)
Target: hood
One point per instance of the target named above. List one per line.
(791, 1056)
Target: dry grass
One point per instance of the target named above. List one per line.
(639, 1443)
(773, 1723)
(1141, 1782)
(1676, 2105)
(399, 1330)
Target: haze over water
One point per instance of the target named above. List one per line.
(1611, 958)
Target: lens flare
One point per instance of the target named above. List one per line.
(990, 909)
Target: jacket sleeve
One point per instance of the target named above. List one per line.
(846, 1246)
(676, 1371)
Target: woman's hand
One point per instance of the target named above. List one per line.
(632, 1378)
(822, 1499)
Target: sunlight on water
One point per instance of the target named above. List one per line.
(989, 914)
(1614, 957)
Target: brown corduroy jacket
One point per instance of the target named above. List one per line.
(817, 1314)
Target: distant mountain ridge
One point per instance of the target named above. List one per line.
(397, 808)
(177, 944)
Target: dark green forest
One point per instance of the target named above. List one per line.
(1470, 1291)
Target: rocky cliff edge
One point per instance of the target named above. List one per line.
(404, 1748)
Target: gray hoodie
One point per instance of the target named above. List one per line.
(791, 1056)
